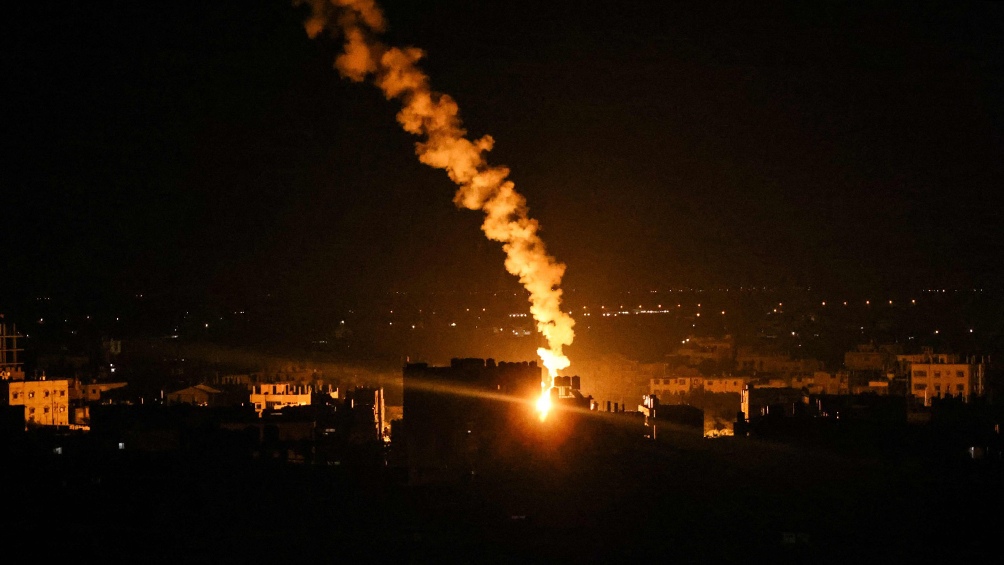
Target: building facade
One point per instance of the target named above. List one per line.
(274, 396)
(46, 403)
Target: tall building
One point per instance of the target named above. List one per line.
(11, 368)
(457, 417)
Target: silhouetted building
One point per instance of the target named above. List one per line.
(457, 416)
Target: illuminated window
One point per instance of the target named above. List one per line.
(31, 394)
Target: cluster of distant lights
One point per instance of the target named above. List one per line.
(622, 311)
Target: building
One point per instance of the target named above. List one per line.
(759, 401)
(724, 384)
(456, 418)
(681, 381)
(11, 368)
(199, 395)
(90, 393)
(824, 382)
(754, 362)
(45, 402)
(943, 380)
(869, 357)
(274, 396)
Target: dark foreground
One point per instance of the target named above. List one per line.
(681, 499)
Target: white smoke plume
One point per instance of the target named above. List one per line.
(435, 118)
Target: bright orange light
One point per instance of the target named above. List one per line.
(544, 405)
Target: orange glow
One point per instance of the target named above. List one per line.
(544, 405)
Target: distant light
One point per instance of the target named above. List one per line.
(868, 301)
(890, 302)
(824, 303)
(453, 324)
(913, 301)
(936, 331)
(970, 330)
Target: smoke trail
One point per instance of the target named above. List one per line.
(434, 117)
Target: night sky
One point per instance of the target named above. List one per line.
(209, 148)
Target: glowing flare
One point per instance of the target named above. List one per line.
(544, 404)
(435, 117)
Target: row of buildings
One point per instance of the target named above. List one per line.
(924, 376)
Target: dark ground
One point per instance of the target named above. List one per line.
(612, 499)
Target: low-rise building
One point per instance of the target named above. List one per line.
(942, 380)
(46, 403)
(274, 396)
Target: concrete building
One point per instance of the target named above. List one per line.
(835, 383)
(11, 368)
(724, 384)
(274, 396)
(45, 402)
(941, 380)
(457, 417)
(871, 357)
(90, 393)
(758, 402)
(754, 362)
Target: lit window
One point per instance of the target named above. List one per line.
(31, 394)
